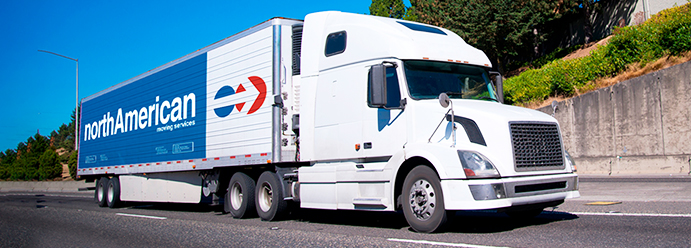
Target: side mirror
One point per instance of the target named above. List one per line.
(444, 100)
(378, 85)
(498, 84)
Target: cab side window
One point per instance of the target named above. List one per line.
(336, 43)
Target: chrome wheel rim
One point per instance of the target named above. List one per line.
(265, 194)
(100, 192)
(422, 199)
(110, 192)
(236, 196)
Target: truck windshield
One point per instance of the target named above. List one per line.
(428, 79)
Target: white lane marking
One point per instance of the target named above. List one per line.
(142, 216)
(425, 242)
(632, 214)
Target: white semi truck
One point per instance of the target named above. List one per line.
(339, 111)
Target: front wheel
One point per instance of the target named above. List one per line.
(269, 197)
(423, 204)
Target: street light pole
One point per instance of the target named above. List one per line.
(76, 101)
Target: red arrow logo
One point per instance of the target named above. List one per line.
(227, 91)
(261, 87)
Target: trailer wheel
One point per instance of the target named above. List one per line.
(269, 197)
(100, 194)
(239, 199)
(423, 204)
(113, 195)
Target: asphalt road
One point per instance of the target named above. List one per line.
(74, 220)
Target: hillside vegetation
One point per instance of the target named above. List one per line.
(662, 40)
(40, 157)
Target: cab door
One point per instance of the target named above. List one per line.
(384, 127)
(366, 183)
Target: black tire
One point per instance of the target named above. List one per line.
(269, 197)
(239, 199)
(101, 194)
(423, 200)
(113, 195)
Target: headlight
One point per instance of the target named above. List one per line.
(477, 166)
(570, 161)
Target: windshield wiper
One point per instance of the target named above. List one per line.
(487, 98)
(459, 95)
(450, 94)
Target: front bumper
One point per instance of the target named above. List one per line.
(485, 194)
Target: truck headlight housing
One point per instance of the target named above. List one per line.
(570, 161)
(477, 166)
(488, 191)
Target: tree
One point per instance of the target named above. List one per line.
(6, 161)
(60, 138)
(38, 145)
(17, 171)
(503, 29)
(49, 165)
(7, 156)
(587, 8)
(391, 8)
(28, 158)
(588, 24)
(68, 142)
(35, 158)
(5, 164)
(72, 164)
(4, 172)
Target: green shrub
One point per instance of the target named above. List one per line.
(554, 55)
(31, 173)
(49, 166)
(27, 167)
(72, 164)
(4, 173)
(17, 172)
(541, 61)
(675, 29)
(65, 157)
(667, 33)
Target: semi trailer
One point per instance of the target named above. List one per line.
(336, 111)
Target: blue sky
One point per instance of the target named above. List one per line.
(114, 41)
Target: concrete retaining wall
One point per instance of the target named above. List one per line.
(44, 186)
(639, 126)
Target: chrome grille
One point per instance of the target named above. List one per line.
(536, 146)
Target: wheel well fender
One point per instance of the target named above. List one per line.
(403, 171)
